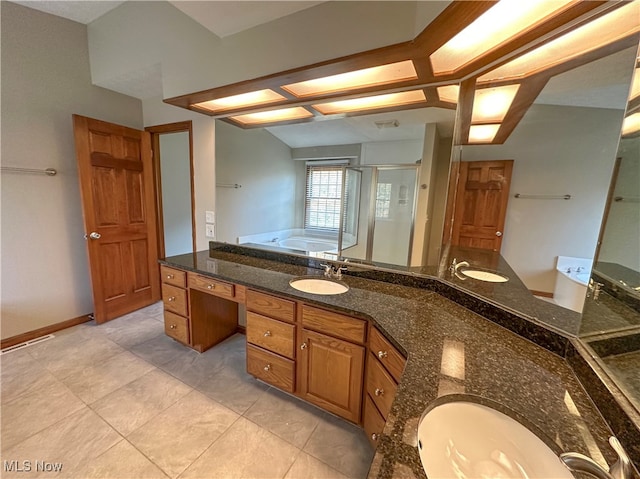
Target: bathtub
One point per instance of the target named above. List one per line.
(310, 244)
(572, 278)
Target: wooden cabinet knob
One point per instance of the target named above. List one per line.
(267, 368)
(211, 286)
(267, 334)
(375, 436)
(303, 346)
(169, 276)
(382, 354)
(171, 298)
(379, 392)
(173, 326)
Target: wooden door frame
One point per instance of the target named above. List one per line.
(155, 132)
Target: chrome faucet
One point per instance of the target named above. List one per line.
(621, 469)
(455, 265)
(594, 289)
(333, 271)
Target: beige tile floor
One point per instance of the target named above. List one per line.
(123, 401)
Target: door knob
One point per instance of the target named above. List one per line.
(498, 233)
(93, 235)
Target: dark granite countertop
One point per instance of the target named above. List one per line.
(484, 359)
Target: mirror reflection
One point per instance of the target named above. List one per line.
(373, 189)
(360, 186)
(611, 319)
(538, 199)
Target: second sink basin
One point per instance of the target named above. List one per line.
(484, 275)
(318, 285)
(464, 439)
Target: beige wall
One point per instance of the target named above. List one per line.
(45, 79)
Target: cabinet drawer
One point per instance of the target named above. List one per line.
(380, 386)
(175, 299)
(334, 324)
(271, 334)
(388, 355)
(271, 306)
(210, 285)
(176, 326)
(173, 276)
(373, 422)
(271, 368)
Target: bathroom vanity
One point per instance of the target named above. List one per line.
(380, 353)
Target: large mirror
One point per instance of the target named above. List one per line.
(382, 181)
(611, 315)
(367, 188)
(554, 172)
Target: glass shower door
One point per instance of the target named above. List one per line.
(393, 200)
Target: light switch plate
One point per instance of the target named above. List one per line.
(210, 231)
(210, 217)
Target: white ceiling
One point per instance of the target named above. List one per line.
(222, 18)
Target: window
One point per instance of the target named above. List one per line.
(383, 200)
(323, 197)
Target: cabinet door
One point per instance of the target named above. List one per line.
(330, 372)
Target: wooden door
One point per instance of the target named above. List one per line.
(481, 204)
(331, 374)
(116, 186)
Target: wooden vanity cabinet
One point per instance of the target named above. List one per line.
(384, 368)
(331, 361)
(176, 308)
(317, 354)
(199, 311)
(271, 336)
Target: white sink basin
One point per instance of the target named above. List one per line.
(484, 275)
(317, 285)
(463, 439)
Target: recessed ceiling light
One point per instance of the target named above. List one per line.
(449, 93)
(482, 133)
(492, 104)
(272, 116)
(260, 97)
(502, 22)
(609, 28)
(367, 77)
(631, 124)
(371, 102)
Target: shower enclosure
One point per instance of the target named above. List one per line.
(378, 213)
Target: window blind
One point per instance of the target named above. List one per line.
(323, 197)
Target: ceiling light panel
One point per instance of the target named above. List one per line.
(372, 102)
(273, 116)
(609, 28)
(368, 77)
(502, 22)
(492, 104)
(482, 133)
(449, 93)
(631, 124)
(254, 98)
